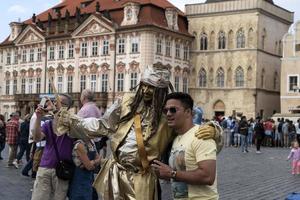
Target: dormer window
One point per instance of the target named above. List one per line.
(131, 12)
(172, 18)
(85, 4)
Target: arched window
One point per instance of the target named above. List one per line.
(239, 77)
(230, 39)
(220, 77)
(203, 41)
(280, 48)
(202, 78)
(250, 38)
(212, 41)
(221, 40)
(240, 39)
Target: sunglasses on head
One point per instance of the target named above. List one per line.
(172, 110)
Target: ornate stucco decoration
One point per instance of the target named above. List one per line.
(131, 12)
(172, 18)
(94, 28)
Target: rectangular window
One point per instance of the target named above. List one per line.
(293, 83)
(71, 51)
(51, 53)
(121, 45)
(177, 51)
(83, 49)
(7, 87)
(120, 79)
(82, 82)
(185, 53)
(24, 55)
(104, 81)
(185, 84)
(31, 55)
(16, 57)
(176, 85)
(30, 86)
(60, 84)
(70, 84)
(38, 85)
(39, 54)
(8, 58)
(135, 45)
(50, 89)
(23, 86)
(158, 45)
(61, 52)
(93, 82)
(15, 85)
(95, 48)
(105, 48)
(168, 48)
(133, 80)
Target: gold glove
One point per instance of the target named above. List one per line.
(211, 130)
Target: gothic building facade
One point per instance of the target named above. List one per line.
(102, 45)
(236, 56)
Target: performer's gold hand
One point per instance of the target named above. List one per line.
(206, 132)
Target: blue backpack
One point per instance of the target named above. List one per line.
(293, 196)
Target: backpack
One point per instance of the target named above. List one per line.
(293, 196)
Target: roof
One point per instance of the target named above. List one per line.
(152, 12)
(215, 1)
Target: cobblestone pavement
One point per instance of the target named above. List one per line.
(240, 177)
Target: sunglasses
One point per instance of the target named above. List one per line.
(172, 110)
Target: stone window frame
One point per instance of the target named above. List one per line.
(8, 57)
(120, 81)
(240, 39)
(61, 52)
(239, 77)
(95, 48)
(39, 54)
(168, 48)
(121, 45)
(202, 78)
(104, 82)
(60, 83)
(105, 47)
(93, 82)
(220, 77)
(203, 41)
(31, 55)
(158, 46)
(290, 86)
(51, 53)
(221, 40)
(30, 85)
(7, 87)
(135, 41)
(15, 85)
(84, 49)
(38, 85)
(71, 50)
(23, 85)
(82, 82)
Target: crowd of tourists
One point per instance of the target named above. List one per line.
(269, 133)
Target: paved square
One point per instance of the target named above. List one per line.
(240, 177)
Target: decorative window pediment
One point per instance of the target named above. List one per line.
(172, 18)
(29, 36)
(131, 12)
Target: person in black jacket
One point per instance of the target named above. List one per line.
(259, 132)
(23, 140)
(243, 130)
(2, 135)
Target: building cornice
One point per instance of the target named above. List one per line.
(239, 6)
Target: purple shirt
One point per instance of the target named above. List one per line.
(89, 109)
(294, 154)
(64, 147)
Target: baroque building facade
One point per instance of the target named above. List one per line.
(101, 45)
(290, 73)
(236, 56)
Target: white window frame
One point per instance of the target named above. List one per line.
(177, 83)
(15, 86)
(24, 55)
(185, 52)
(31, 55)
(158, 46)
(82, 82)
(16, 57)
(71, 50)
(7, 87)
(135, 45)
(288, 82)
(39, 54)
(93, 78)
(168, 48)
(95, 48)
(121, 45)
(23, 86)
(70, 84)
(185, 84)
(120, 82)
(84, 49)
(133, 79)
(51, 53)
(8, 58)
(61, 52)
(104, 82)
(30, 85)
(105, 48)
(38, 85)
(60, 86)
(177, 50)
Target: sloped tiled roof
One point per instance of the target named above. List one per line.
(152, 12)
(215, 1)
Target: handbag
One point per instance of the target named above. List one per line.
(65, 168)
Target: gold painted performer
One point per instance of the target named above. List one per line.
(139, 134)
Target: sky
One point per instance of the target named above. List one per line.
(20, 10)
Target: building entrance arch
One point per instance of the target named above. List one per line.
(219, 108)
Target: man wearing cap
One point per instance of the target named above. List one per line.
(139, 134)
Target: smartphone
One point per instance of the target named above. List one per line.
(43, 102)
